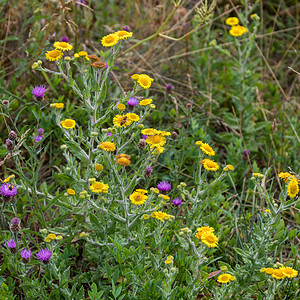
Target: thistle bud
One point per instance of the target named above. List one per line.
(9, 145)
(5, 102)
(174, 135)
(142, 144)
(12, 136)
(15, 225)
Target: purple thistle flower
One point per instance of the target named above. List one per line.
(144, 136)
(109, 134)
(132, 102)
(177, 201)
(65, 39)
(15, 221)
(169, 87)
(15, 224)
(25, 254)
(246, 153)
(44, 255)
(39, 92)
(126, 28)
(8, 190)
(38, 138)
(164, 186)
(11, 245)
(148, 172)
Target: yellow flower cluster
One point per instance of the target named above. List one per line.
(123, 160)
(225, 278)
(206, 235)
(285, 176)
(156, 138)
(209, 165)
(107, 146)
(161, 216)
(99, 187)
(280, 273)
(113, 38)
(125, 120)
(138, 197)
(236, 29)
(169, 260)
(58, 52)
(51, 237)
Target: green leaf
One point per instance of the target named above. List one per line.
(108, 269)
(77, 151)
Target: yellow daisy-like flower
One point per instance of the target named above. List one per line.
(253, 16)
(269, 271)
(149, 131)
(68, 123)
(110, 40)
(123, 160)
(159, 215)
(82, 53)
(98, 167)
(238, 30)
(137, 198)
(47, 240)
(202, 230)
(209, 239)
(230, 167)
(207, 149)
(71, 192)
(293, 188)
(6, 179)
(51, 236)
(121, 121)
(132, 117)
(262, 270)
(225, 278)
(76, 55)
(289, 272)
(163, 133)
(278, 274)
(267, 211)
(144, 81)
(232, 21)
(210, 165)
(123, 34)
(285, 176)
(59, 237)
(120, 106)
(54, 55)
(156, 141)
(59, 105)
(142, 191)
(135, 76)
(99, 187)
(63, 46)
(107, 146)
(145, 102)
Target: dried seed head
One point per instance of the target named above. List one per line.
(93, 58)
(174, 135)
(9, 145)
(12, 136)
(98, 64)
(142, 144)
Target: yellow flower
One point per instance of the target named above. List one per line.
(54, 55)
(98, 167)
(63, 46)
(71, 192)
(59, 105)
(293, 188)
(269, 271)
(146, 217)
(142, 191)
(59, 237)
(76, 55)
(165, 197)
(289, 272)
(47, 240)
(163, 133)
(137, 198)
(262, 270)
(145, 102)
(68, 123)
(121, 121)
(232, 21)
(156, 141)
(170, 257)
(168, 261)
(259, 175)
(121, 106)
(225, 278)
(238, 30)
(107, 146)
(285, 176)
(123, 159)
(99, 187)
(267, 211)
(149, 131)
(6, 179)
(278, 274)
(209, 239)
(135, 76)
(82, 53)
(253, 16)
(199, 143)
(123, 34)
(51, 236)
(159, 215)
(132, 117)
(202, 230)
(207, 149)
(144, 81)
(210, 165)
(110, 40)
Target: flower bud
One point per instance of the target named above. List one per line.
(152, 106)
(34, 66)
(140, 126)
(63, 147)
(15, 225)
(12, 136)
(9, 145)
(174, 135)
(114, 130)
(68, 58)
(44, 231)
(142, 144)
(94, 134)
(224, 268)
(39, 62)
